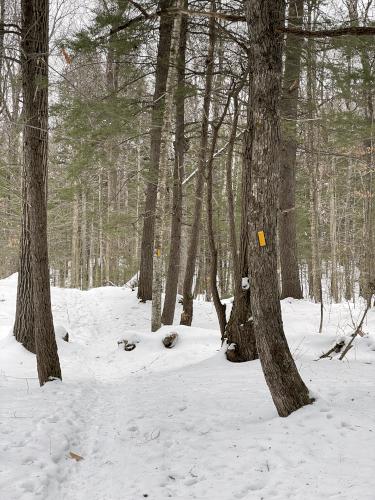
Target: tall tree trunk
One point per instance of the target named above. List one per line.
(100, 273)
(162, 205)
(178, 173)
(24, 321)
(313, 166)
(240, 328)
(75, 267)
(187, 313)
(262, 159)
(333, 233)
(84, 243)
(291, 286)
(348, 257)
(162, 66)
(34, 64)
(111, 250)
(220, 308)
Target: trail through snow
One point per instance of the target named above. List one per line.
(181, 423)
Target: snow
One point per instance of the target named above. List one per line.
(181, 423)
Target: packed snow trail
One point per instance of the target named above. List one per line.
(181, 423)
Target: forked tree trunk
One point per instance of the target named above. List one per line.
(240, 328)
(162, 203)
(187, 313)
(262, 159)
(291, 286)
(178, 173)
(34, 64)
(162, 66)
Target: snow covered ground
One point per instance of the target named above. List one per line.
(181, 423)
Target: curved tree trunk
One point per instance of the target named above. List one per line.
(291, 286)
(34, 63)
(162, 66)
(187, 313)
(262, 159)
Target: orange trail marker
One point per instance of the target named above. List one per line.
(261, 239)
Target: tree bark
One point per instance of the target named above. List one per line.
(313, 168)
(220, 308)
(75, 265)
(187, 313)
(240, 328)
(24, 321)
(178, 174)
(333, 233)
(162, 66)
(34, 64)
(262, 159)
(291, 286)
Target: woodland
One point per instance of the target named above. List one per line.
(212, 161)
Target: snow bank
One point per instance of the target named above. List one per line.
(183, 422)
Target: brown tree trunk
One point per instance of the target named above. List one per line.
(348, 253)
(220, 308)
(84, 243)
(111, 248)
(75, 265)
(333, 233)
(262, 159)
(187, 313)
(291, 286)
(34, 64)
(178, 173)
(162, 66)
(24, 321)
(240, 328)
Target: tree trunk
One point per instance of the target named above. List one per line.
(348, 257)
(84, 243)
(291, 286)
(178, 173)
(262, 159)
(24, 321)
(162, 205)
(240, 328)
(220, 308)
(333, 234)
(162, 66)
(34, 64)
(75, 267)
(313, 167)
(187, 313)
